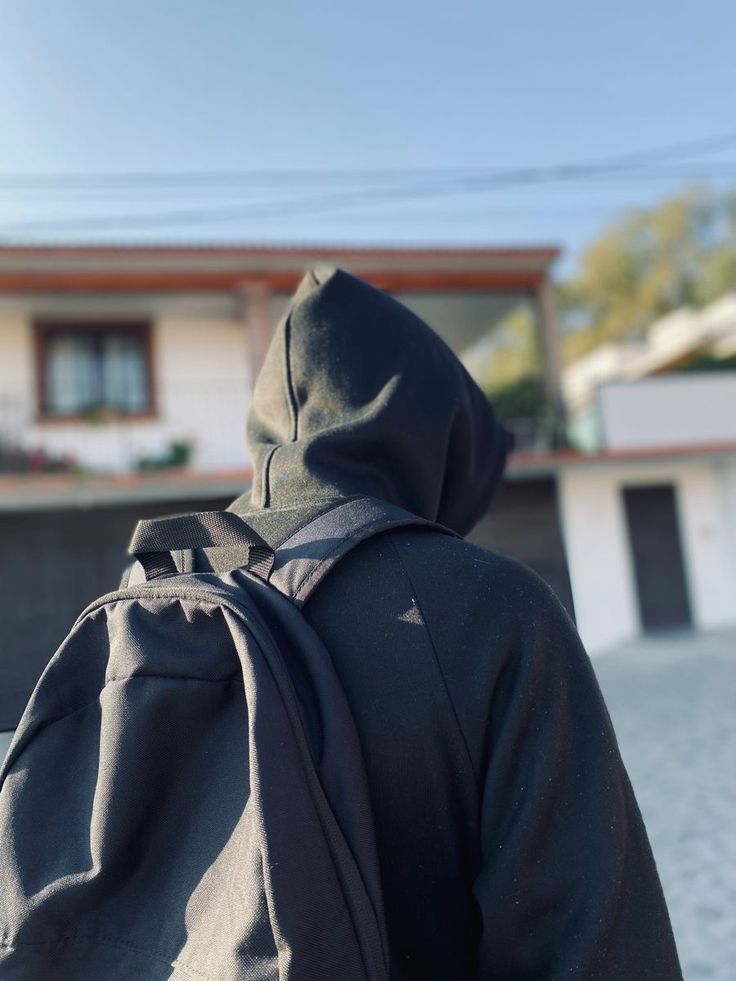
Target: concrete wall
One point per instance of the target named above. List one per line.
(669, 410)
(599, 556)
(202, 384)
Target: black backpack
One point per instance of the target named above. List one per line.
(185, 795)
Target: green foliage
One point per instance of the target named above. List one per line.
(649, 262)
(178, 454)
(507, 353)
(523, 408)
(522, 400)
(706, 361)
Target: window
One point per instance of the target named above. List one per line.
(87, 368)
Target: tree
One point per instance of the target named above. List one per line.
(650, 262)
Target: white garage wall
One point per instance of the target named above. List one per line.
(598, 551)
(594, 529)
(726, 478)
(704, 529)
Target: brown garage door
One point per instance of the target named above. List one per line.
(52, 564)
(523, 522)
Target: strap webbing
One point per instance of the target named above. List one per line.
(304, 559)
(299, 564)
(154, 539)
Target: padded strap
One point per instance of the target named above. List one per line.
(304, 559)
(154, 540)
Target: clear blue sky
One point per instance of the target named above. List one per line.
(103, 86)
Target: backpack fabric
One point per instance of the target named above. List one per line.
(185, 796)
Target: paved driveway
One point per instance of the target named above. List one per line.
(673, 703)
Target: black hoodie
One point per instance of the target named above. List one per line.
(510, 843)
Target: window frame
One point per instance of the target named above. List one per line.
(45, 329)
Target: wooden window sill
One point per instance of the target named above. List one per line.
(106, 419)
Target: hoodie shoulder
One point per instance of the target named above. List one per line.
(488, 617)
(455, 573)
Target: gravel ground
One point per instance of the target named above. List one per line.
(673, 704)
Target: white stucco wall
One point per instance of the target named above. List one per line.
(599, 555)
(669, 410)
(704, 530)
(202, 383)
(726, 479)
(594, 529)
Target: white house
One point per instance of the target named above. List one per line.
(669, 342)
(650, 539)
(126, 358)
(120, 364)
(116, 358)
(649, 520)
(107, 385)
(648, 512)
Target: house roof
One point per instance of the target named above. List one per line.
(198, 268)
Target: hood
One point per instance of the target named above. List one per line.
(357, 395)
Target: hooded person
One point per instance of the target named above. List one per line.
(509, 841)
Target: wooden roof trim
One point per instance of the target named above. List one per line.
(202, 281)
(558, 459)
(542, 253)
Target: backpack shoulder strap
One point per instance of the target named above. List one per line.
(307, 556)
(164, 546)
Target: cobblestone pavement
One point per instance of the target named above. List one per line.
(673, 704)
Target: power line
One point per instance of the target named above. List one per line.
(632, 166)
(288, 208)
(289, 177)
